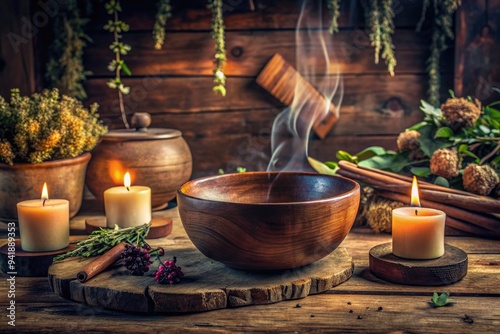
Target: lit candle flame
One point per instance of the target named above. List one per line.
(45, 193)
(415, 201)
(126, 180)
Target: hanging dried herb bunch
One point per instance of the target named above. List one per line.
(442, 30)
(334, 7)
(220, 46)
(120, 49)
(65, 69)
(380, 19)
(162, 15)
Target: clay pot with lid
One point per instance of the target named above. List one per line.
(158, 158)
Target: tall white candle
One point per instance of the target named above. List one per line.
(128, 205)
(43, 223)
(418, 233)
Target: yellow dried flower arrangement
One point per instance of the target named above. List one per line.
(46, 126)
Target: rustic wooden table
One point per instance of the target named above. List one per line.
(362, 304)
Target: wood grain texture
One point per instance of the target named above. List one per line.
(267, 14)
(208, 285)
(477, 69)
(158, 94)
(17, 54)
(268, 221)
(175, 83)
(449, 268)
(248, 51)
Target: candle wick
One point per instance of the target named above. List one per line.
(44, 200)
(128, 188)
(416, 212)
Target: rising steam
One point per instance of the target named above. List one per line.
(316, 63)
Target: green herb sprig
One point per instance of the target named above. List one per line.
(120, 49)
(100, 241)
(442, 299)
(334, 7)
(443, 30)
(220, 46)
(163, 14)
(65, 69)
(380, 19)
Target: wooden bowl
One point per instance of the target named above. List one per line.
(268, 221)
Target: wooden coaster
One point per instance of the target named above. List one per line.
(160, 227)
(449, 268)
(28, 264)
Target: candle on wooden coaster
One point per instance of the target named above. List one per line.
(128, 205)
(417, 233)
(43, 223)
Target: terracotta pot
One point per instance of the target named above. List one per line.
(157, 158)
(65, 180)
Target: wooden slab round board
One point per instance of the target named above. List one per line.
(449, 268)
(207, 285)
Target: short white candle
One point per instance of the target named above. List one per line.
(418, 233)
(43, 223)
(128, 205)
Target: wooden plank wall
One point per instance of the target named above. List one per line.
(175, 84)
(17, 65)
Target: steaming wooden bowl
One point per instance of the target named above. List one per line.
(268, 221)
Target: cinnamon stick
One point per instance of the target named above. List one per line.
(101, 263)
(421, 184)
(400, 179)
(483, 221)
(476, 203)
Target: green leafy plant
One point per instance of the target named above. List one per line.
(65, 69)
(215, 7)
(162, 15)
(46, 126)
(442, 299)
(454, 144)
(119, 49)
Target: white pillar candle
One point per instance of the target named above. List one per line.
(43, 223)
(128, 205)
(418, 233)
